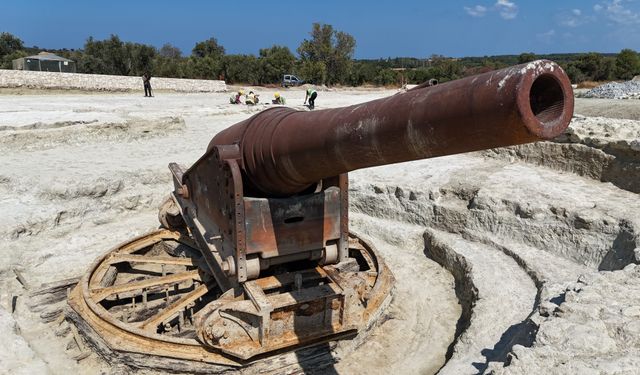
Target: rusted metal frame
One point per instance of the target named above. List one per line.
(384, 278)
(86, 306)
(175, 307)
(316, 221)
(213, 258)
(265, 305)
(305, 295)
(206, 230)
(273, 282)
(135, 258)
(257, 296)
(343, 244)
(101, 293)
(239, 217)
(247, 327)
(325, 294)
(126, 337)
(176, 171)
(264, 308)
(132, 246)
(121, 337)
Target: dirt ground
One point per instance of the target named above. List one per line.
(508, 261)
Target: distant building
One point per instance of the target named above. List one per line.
(45, 62)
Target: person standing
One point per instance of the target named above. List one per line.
(146, 81)
(311, 95)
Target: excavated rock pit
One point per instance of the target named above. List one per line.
(517, 260)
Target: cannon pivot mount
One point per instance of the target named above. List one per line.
(232, 278)
(256, 257)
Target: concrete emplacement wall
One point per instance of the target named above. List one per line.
(99, 82)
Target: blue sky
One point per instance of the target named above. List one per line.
(381, 28)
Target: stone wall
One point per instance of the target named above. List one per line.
(99, 82)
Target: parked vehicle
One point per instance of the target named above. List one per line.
(291, 80)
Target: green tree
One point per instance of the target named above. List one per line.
(386, 77)
(342, 61)
(242, 69)
(11, 47)
(274, 62)
(574, 73)
(363, 72)
(9, 44)
(328, 50)
(313, 71)
(170, 51)
(139, 58)
(202, 68)
(91, 65)
(209, 47)
(527, 57)
(593, 66)
(445, 69)
(206, 61)
(627, 64)
(169, 62)
(113, 56)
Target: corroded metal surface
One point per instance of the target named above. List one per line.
(242, 235)
(284, 151)
(151, 303)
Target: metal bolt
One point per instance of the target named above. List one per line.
(298, 281)
(218, 333)
(183, 191)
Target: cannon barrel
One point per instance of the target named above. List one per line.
(285, 151)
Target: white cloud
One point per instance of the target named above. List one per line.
(508, 9)
(574, 18)
(616, 12)
(548, 33)
(476, 11)
(547, 36)
(570, 22)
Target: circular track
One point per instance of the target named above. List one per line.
(144, 295)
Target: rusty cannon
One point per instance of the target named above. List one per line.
(255, 256)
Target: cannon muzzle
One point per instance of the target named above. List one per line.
(285, 151)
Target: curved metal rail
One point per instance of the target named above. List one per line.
(143, 297)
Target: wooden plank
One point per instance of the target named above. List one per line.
(175, 307)
(119, 258)
(99, 294)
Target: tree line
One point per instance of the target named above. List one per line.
(326, 57)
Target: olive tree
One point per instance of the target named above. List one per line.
(327, 56)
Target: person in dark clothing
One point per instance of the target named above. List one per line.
(146, 80)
